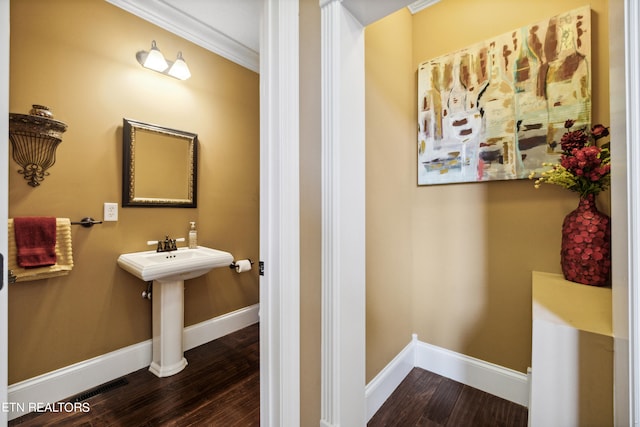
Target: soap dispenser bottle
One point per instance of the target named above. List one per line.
(193, 236)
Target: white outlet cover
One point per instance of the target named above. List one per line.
(110, 212)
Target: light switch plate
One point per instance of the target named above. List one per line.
(110, 212)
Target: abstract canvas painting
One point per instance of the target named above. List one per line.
(496, 110)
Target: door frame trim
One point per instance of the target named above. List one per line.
(279, 215)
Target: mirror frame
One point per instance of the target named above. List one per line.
(129, 197)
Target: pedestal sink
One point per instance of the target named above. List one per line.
(168, 271)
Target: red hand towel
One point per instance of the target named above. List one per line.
(35, 241)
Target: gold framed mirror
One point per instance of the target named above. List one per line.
(159, 166)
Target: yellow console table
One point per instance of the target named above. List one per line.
(572, 354)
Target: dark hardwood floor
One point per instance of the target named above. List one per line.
(427, 399)
(220, 387)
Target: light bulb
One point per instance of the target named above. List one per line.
(155, 60)
(179, 69)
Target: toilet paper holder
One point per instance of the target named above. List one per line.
(233, 264)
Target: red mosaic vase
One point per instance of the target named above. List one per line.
(586, 244)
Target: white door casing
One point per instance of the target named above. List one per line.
(625, 201)
(279, 216)
(343, 213)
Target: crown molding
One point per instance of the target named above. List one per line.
(164, 15)
(419, 5)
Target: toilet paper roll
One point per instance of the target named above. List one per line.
(243, 265)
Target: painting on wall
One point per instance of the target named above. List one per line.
(496, 110)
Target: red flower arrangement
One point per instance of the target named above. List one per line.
(584, 165)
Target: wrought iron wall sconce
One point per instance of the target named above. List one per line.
(34, 138)
(154, 60)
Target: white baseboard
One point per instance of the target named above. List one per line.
(68, 381)
(380, 388)
(209, 330)
(488, 377)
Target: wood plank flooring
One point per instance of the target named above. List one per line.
(220, 387)
(430, 400)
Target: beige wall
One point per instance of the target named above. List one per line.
(78, 57)
(453, 263)
(310, 209)
(390, 185)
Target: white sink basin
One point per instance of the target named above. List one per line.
(178, 265)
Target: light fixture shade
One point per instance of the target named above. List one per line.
(179, 69)
(155, 60)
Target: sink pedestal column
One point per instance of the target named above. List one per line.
(168, 323)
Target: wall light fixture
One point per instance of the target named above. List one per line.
(154, 60)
